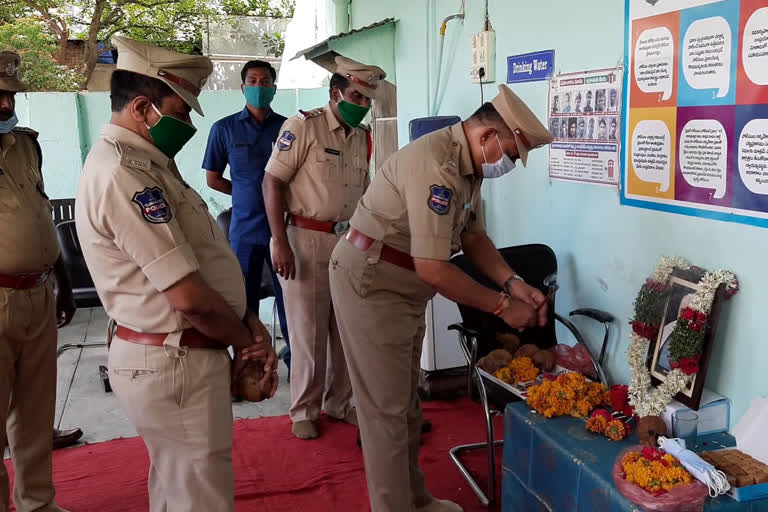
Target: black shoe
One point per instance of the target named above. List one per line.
(64, 438)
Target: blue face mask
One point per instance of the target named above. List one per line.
(258, 97)
(10, 124)
(499, 168)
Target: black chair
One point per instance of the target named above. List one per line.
(267, 289)
(83, 289)
(536, 264)
(63, 210)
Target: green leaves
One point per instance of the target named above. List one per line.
(649, 304)
(39, 69)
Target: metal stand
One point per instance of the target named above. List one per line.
(491, 443)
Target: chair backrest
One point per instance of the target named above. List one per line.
(83, 288)
(424, 125)
(533, 263)
(224, 219)
(63, 210)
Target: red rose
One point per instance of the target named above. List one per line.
(688, 314)
(602, 412)
(645, 330)
(651, 453)
(696, 326)
(620, 400)
(688, 365)
(701, 317)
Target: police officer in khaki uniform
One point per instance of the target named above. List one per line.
(423, 206)
(29, 311)
(168, 279)
(317, 173)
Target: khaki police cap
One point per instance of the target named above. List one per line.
(362, 77)
(185, 74)
(10, 74)
(528, 130)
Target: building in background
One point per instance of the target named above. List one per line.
(231, 41)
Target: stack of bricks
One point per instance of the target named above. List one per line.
(73, 55)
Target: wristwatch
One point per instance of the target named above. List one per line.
(508, 282)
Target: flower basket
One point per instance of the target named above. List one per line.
(685, 498)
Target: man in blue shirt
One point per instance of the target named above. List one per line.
(244, 142)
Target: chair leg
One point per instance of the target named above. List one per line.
(490, 444)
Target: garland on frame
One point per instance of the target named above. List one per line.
(685, 342)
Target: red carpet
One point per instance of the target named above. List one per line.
(276, 472)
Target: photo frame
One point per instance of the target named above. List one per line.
(682, 285)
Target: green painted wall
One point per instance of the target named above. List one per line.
(605, 250)
(374, 46)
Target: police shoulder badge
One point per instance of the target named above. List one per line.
(154, 207)
(285, 142)
(439, 199)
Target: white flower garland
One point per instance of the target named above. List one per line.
(650, 401)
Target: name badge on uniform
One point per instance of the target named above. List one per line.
(332, 151)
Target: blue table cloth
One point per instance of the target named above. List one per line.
(572, 469)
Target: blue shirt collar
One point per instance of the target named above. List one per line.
(246, 114)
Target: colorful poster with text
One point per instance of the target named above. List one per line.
(695, 122)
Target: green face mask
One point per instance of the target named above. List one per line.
(351, 113)
(259, 97)
(170, 134)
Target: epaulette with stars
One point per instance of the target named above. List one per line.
(308, 114)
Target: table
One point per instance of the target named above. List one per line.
(573, 467)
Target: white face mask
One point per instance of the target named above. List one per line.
(499, 168)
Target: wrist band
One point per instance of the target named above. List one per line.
(500, 304)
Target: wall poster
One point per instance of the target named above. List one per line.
(696, 116)
(584, 110)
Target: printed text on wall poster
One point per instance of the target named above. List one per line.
(584, 118)
(696, 118)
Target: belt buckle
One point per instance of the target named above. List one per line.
(340, 227)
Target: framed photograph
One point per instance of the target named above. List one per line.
(683, 284)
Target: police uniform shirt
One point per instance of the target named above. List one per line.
(28, 243)
(240, 141)
(424, 197)
(326, 170)
(142, 230)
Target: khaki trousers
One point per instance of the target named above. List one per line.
(319, 377)
(380, 309)
(180, 403)
(28, 395)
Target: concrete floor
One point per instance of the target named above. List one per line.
(82, 402)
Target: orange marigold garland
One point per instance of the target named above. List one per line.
(616, 430)
(597, 424)
(520, 369)
(654, 471)
(570, 393)
(601, 422)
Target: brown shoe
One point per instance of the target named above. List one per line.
(305, 429)
(64, 438)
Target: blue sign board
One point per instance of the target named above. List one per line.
(530, 67)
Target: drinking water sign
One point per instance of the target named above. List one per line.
(530, 67)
